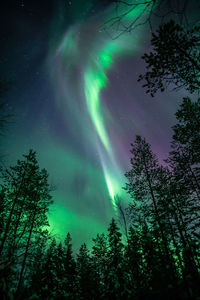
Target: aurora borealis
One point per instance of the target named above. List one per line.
(99, 60)
(76, 101)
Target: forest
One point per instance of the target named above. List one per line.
(154, 252)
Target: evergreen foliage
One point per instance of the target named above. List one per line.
(174, 59)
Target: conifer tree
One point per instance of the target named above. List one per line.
(115, 281)
(35, 274)
(89, 287)
(60, 272)
(134, 262)
(164, 66)
(26, 196)
(71, 281)
(143, 183)
(187, 130)
(99, 259)
(49, 281)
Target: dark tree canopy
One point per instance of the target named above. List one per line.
(174, 59)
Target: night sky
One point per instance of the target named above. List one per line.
(75, 100)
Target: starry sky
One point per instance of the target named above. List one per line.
(75, 100)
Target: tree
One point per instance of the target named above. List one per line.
(49, 281)
(148, 203)
(60, 272)
(89, 286)
(115, 281)
(37, 206)
(134, 263)
(26, 194)
(99, 258)
(187, 130)
(70, 276)
(184, 159)
(142, 181)
(36, 267)
(177, 65)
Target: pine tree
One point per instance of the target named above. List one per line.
(49, 281)
(35, 274)
(70, 276)
(185, 153)
(149, 203)
(115, 281)
(27, 200)
(187, 130)
(89, 287)
(142, 182)
(60, 272)
(36, 210)
(99, 259)
(164, 66)
(156, 283)
(134, 263)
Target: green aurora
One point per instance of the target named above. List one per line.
(66, 116)
(104, 54)
(96, 79)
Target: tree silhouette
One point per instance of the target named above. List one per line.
(187, 130)
(26, 200)
(100, 260)
(49, 281)
(89, 286)
(115, 281)
(71, 281)
(174, 59)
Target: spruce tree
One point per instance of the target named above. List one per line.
(177, 65)
(49, 281)
(89, 286)
(71, 278)
(134, 262)
(148, 201)
(99, 259)
(27, 200)
(115, 281)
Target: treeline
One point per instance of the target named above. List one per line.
(157, 258)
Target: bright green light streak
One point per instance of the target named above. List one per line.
(94, 82)
(113, 188)
(95, 79)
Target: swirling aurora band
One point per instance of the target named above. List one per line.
(95, 78)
